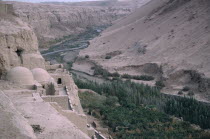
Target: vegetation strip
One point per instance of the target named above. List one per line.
(138, 111)
(98, 70)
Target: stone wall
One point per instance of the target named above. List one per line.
(78, 119)
(71, 89)
(62, 101)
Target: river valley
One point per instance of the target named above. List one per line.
(66, 51)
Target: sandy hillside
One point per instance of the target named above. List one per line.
(167, 38)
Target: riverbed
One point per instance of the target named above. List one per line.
(65, 50)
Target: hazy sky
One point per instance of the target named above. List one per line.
(52, 0)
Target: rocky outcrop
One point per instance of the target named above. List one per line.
(51, 21)
(19, 46)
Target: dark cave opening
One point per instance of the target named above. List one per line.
(19, 53)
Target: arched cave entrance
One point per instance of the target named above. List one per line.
(59, 81)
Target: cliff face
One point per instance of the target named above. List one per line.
(15, 39)
(51, 21)
(24, 111)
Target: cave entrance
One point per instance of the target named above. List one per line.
(59, 81)
(19, 53)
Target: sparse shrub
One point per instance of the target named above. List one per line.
(159, 84)
(96, 114)
(37, 128)
(185, 89)
(115, 78)
(115, 74)
(100, 71)
(143, 77)
(142, 49)
(191, 93)
(180, 93)
(108, 57)
(87, 56)
(92, 68)
(126, 76)
(136, 77)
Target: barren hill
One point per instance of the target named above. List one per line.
(168, 39)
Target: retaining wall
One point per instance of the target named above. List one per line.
(63, 101)
(79, 120)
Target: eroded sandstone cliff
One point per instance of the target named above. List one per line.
(18, 45)
(53, 21)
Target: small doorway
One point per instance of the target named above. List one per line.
(59, 81)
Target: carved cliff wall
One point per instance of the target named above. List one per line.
(18, 43)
